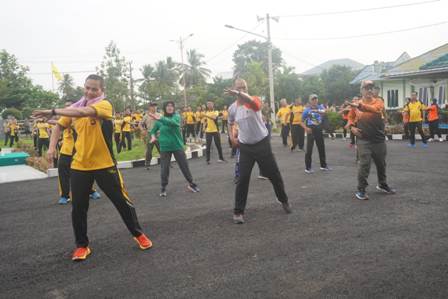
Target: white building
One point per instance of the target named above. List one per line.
(427, 74)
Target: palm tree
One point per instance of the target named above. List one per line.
(195, 72)
(66, 87)
(159, 80)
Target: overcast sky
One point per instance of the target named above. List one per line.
(73, 34)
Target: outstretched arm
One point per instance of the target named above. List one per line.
(69, 112)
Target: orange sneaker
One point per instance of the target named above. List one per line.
(81, 253)
(143, 242)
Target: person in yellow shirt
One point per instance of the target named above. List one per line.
(126, 129)
(297, 131)
(118, 133)
(199, 115)
(212, 132)
(415, 110)
(43, 135)
(224, 119)
(189, 120)
(91, 118)
(283, 116)
(13, 131)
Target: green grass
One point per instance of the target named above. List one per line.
(137, 152)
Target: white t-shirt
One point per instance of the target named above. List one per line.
(251, 128)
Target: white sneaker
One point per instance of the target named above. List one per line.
(430, 140)
(309, 171)
(440, 139)
(262, 177)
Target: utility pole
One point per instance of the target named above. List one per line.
(270, 71)
(184, 83)
(131, 86)
(181, 42)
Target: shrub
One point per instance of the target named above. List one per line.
(12, 111)
(334, 121)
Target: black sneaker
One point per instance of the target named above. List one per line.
(286, 207)
(361, 195)
(386, 189)
(193, 188)
(238, 218)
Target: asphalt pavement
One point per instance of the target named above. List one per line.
(331, 246)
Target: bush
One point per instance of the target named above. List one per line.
(335, 121)
(12, 111)
(26, 112)
(443, 116)
(394, 117)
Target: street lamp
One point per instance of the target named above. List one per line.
(270, 71)
(181, 42)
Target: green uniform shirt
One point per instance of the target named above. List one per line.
(170, 138)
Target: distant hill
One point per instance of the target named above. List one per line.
(327, 65)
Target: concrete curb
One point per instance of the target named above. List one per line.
(389, 136)
(53, 172)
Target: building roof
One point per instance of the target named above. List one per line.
(440, 62)
(374, 71)
(413, 66)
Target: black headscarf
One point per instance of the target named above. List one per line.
(164, 108)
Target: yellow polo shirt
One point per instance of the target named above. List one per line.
(92, 149)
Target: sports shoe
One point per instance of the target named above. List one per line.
(309, 171)
(430, 140)
(95, 195)
(260, 177)
(163, 192)
(386, 189)
(63, 200)
(440, 139)
(326, 168)
(411, 145)
(238, 218)
(286, 207)
(424, 145)
(361, 195)
(221, 161)
(80, 253)
(193, 188)
(143, 242)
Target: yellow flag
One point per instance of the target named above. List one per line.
(56, 72)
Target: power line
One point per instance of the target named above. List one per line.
(231, 46)
(365, 35)
(358, 10)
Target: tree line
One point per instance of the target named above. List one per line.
(164, 79)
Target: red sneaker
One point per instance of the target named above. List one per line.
(81, 253)
(143, 242)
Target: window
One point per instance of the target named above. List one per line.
(442, 95)
(392, 98)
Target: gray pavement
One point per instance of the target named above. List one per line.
(332, 246)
